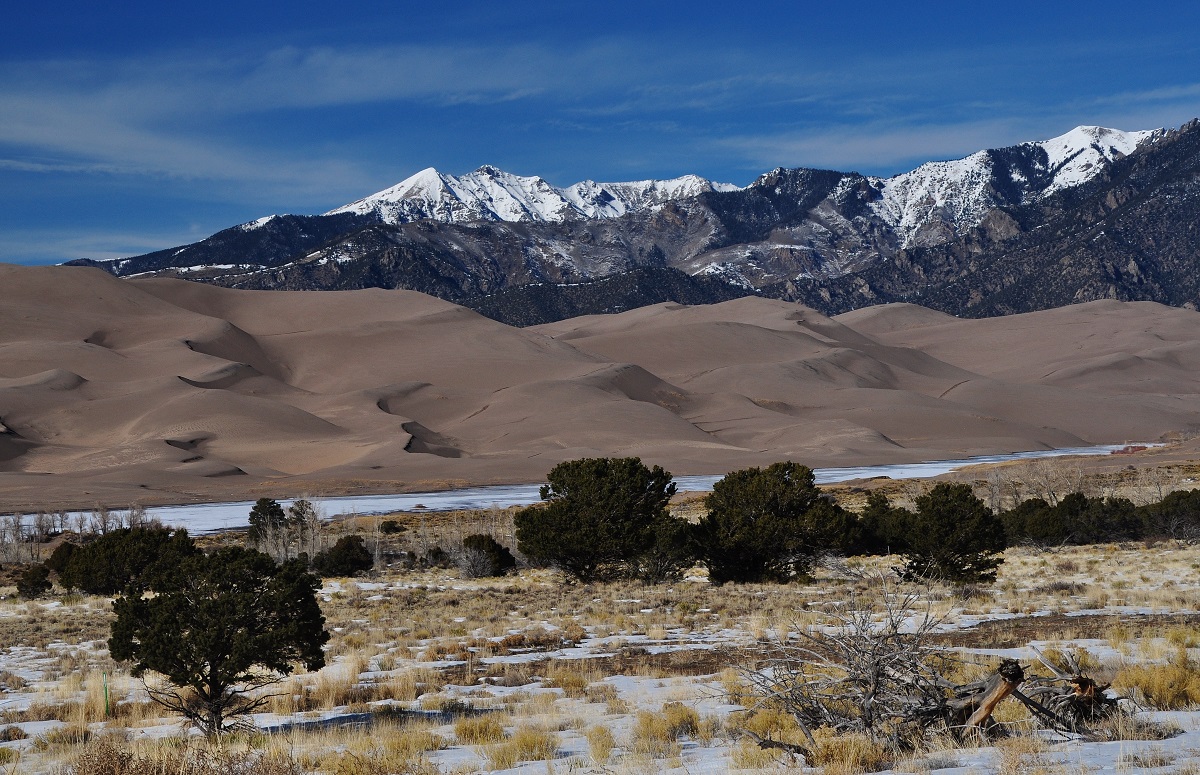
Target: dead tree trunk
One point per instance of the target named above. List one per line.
(973, 710)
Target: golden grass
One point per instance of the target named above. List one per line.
(746, 755)
(656, 735)
(423, 614)
(601, 743)
(528, 743)
(478, 730)
(1022, 756)
(1171, 686)
(62, 737)
(847, 754)
(737, 690)
(573, 682)
(112, 755)
(681, 720)
(771, 724)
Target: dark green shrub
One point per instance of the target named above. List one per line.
(882, 526)
(33, 582)
(267, 518)
(436, 557)
(767, 524)
(347, 557)
(220, 628)
(599, 519)
(1030, 522)
(1096, 520)
(390, 527)
(671, 552)
(1175, 516)
(953, 536)
(128, 555)
(58, 559)
(484, 556)
(1076, 519)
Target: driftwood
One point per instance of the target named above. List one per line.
(1070, 699)
(876, 672)
(973, 710)
(879, 671)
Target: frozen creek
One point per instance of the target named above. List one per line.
(210, 517)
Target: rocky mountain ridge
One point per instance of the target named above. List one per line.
(490, 194)
(941, 234)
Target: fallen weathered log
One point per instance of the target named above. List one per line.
(1074, 701)
(973, 709)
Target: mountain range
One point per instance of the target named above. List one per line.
(1093, 214)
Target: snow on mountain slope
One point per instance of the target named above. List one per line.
(926, 206)
(940, 199)
(948, 194)
(1078, 155)
(489, 194)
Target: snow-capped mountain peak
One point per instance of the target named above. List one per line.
(1076, 157)
(940, 199)
(491, 194)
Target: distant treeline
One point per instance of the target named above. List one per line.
(1077, 519)
(609, 518)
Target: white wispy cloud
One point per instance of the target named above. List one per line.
(175, 114)
(886, 147)
(38, 246)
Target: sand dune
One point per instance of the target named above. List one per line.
(165, 391)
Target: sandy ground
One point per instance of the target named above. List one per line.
(163, 391)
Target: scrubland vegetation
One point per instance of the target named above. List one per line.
(434, 664)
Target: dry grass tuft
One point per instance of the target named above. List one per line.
(773, 724)
(746, 755)
(572, 682)
(478, 730)
(1173, 686)
(1149, 759)
(849, 754)
(681, 720)
(63, 737)
(652, 736)
(410, 684)
(1022, 756)
(656, 735)
(110, 755)
(601, 743)
(527, 744)
(737, 691)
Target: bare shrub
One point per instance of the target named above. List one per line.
(859, 671)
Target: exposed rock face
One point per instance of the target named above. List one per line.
(1093, 214)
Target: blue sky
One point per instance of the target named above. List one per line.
(125, 130)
